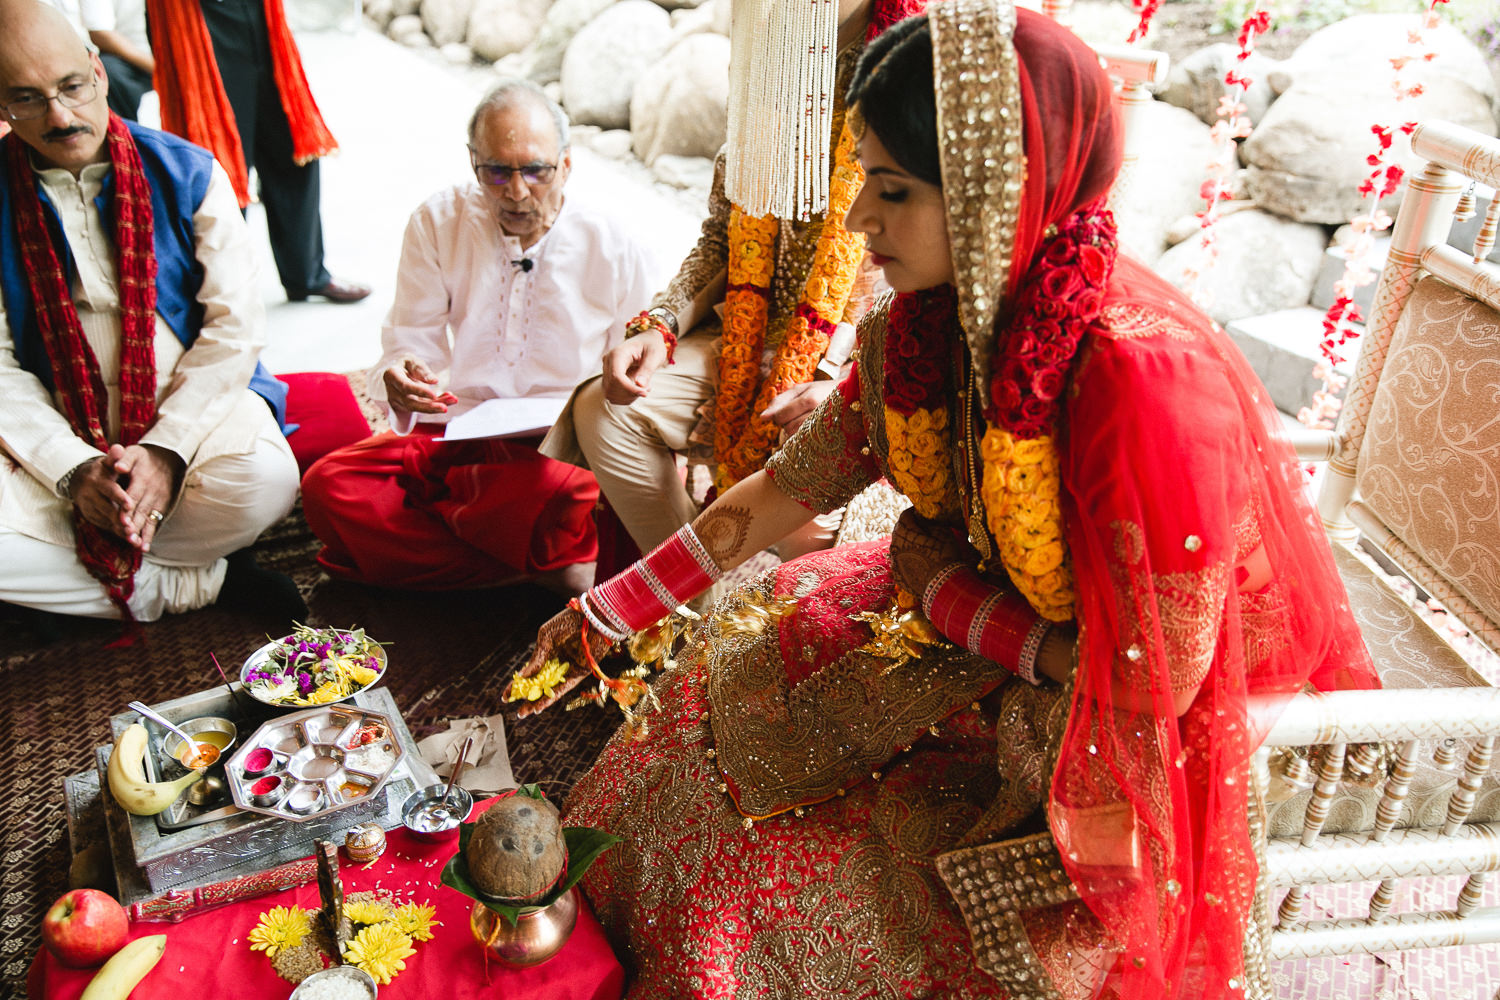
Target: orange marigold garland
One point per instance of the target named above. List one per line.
(743, 440)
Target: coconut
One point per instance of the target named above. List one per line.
(517, 849)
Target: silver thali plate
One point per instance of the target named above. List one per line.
(311, 763)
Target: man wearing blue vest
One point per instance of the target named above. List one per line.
(138, 429)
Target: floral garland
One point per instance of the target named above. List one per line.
(917, 424)
(743, 439)
(1061, 296)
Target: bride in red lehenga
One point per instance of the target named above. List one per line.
(1036, 784)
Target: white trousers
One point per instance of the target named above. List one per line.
(225, 503)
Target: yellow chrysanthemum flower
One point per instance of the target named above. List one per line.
(539, 685)
(417, 920)
(325, 693)
(280, 928)
(367, 911)
(381, 950)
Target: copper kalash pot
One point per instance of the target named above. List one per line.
(533, 938)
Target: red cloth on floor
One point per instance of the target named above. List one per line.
(416, 512)
(326, 413)
(208, 955)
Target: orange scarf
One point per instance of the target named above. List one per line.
(194, 104)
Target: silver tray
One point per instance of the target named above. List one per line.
(321, 762)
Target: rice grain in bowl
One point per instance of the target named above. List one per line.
(341, 983)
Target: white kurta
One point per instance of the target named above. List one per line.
(241, 476)
(491, 329)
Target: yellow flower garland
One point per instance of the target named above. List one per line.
(919, 459)
(743, 440)
(1021, 491)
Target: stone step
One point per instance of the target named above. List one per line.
(1282, 348)
(1331, 271)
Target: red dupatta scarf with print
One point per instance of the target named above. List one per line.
(194, 104)
(75, 370)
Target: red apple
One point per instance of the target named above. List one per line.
(85, 927)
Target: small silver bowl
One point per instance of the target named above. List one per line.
(349, 972)
(172, 746)
(426, 817)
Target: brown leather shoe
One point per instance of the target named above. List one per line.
(336, 290)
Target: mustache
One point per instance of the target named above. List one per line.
(53, 135)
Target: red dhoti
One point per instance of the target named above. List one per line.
(412, 511)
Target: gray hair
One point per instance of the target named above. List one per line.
(506, 93)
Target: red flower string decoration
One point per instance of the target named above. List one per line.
(1384, 178)
(1232, 125)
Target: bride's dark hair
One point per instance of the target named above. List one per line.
(893, 88)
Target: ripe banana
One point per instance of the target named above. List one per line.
(127, 776)
(125, 968)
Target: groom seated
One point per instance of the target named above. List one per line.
(507, 290)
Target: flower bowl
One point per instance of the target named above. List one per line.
(313, 667)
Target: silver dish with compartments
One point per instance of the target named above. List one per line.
(311, 763)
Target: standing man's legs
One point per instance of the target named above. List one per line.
(127, 85)
(291, 194)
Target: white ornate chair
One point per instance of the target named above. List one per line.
(1386, 786)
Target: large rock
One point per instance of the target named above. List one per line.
(498, 28)
(446, 20)
(380, 12)
(679, 105)
(1197, 83)
(542, 60)
(1164, 184)
(1307, 157)
(684, 171)
(401, 7)
(1264, 264)
(404, 27)
(679, 4)
(607, 57)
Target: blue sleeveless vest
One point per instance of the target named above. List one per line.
(178, 173)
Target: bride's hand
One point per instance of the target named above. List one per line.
(558, 639)
(920, 548)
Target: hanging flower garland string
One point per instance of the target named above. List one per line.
(743, 439)
(1382, 181)
(1232, 125)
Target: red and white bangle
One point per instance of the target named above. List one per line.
(1026, 664)
(654, 319)
(935, 584)
(610, 630)
(996, 624)
(677, 570)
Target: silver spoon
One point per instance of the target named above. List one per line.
(141, 708)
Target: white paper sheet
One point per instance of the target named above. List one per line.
(502, 418)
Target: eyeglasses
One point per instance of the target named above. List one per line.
(498, 175)
(69, 95)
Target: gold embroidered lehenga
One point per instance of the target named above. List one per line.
(805, 817)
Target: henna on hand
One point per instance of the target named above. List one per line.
(723, 531)
(920, 548)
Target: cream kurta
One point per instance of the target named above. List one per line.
(241, 476)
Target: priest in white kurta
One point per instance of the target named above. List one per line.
(506, 290)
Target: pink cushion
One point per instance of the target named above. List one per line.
(326, 412)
